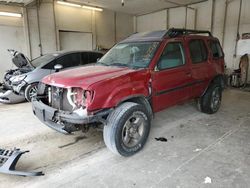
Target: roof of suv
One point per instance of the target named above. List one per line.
(160, 35)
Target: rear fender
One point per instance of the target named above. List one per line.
(219, 79)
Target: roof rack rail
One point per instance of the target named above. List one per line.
(174, 32)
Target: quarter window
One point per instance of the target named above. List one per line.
(216, 49)
(198, 51)
(172, 56)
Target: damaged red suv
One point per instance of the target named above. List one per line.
(139, 76)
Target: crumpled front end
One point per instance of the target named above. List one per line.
(65, 109)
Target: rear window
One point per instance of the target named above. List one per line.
(216, 49)
(198, 51)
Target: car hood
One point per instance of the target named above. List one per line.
(19, 59)
(85, 76)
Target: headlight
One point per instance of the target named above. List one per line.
(17, 79)
(78, 97)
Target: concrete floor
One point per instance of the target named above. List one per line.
(198, 146)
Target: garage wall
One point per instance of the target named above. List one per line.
(38, 32)
(174, 17)
(12, 36)
(203, 21)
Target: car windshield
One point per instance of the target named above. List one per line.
(43, 59)
(133, 55)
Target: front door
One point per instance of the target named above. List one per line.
(172, 77)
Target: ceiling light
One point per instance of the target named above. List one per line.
(92, 8)
(10, 14)
(77, 5)
(68, 4)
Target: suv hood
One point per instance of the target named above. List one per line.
(19, 59)
(85, 76)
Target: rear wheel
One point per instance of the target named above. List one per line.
(30, 91)
(127, 129)
(210, 102)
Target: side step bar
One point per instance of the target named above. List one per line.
(8, 161)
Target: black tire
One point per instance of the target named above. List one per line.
(30, 91)
(210, 102)
(122, 128)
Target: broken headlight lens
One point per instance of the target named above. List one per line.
(17, 79)
(78, 97)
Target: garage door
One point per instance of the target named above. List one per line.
(75, 40)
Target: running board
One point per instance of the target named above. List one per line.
(8, 161)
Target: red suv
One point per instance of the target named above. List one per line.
(139, 76)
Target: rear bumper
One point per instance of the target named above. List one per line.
(62, 121)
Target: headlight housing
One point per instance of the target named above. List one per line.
(78, 97)
(17, 79)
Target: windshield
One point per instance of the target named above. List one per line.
(134, 55)
(43, 59)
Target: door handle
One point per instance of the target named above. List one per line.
(188, 74)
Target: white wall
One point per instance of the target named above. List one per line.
(175, 17)
(157, 20)
(154, 21)
(12, 36)
(48, 19)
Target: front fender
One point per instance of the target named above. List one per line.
(125, 92)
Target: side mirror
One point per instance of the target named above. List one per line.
(98, 59)
(58, 67)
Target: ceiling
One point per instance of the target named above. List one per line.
(138, 7)
(135, 7)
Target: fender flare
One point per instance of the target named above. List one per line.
(219, 78)
(140, 99)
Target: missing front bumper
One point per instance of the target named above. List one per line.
(62, 121)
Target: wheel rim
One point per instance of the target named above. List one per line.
(33, 92)
(133, 130)
(216, 99)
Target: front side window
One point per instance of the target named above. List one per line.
(69, 60)
(172, 56)
(43, 60)
(134, 54)
(198, 51)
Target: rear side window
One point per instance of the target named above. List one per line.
(198, 51)
(216, 49)
(172, 56)
(69, 60)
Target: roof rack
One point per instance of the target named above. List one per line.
(174, 32)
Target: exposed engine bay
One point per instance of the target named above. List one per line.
(7, 93)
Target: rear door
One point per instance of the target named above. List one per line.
(171, 78)
(199, 58)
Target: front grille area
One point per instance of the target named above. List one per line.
(59, 99)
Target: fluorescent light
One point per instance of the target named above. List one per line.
(68, 4)
(92, 8)
(10, 14)
(77, 5)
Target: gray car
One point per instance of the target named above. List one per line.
(20, 84)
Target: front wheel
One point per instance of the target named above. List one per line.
(30, 91)
(127, 129)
